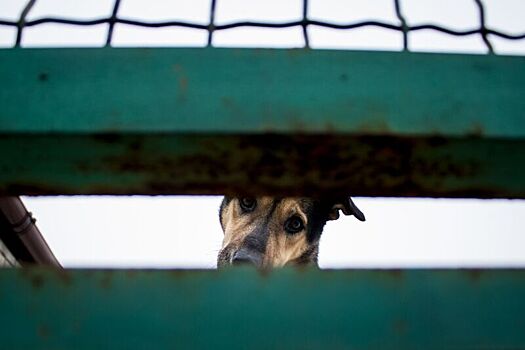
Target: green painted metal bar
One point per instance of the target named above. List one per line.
(306, 309)
(213, 121)
(235, 90)
(256, 164)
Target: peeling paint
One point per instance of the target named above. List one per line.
(297, 164)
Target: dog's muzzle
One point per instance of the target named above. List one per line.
(246, 256)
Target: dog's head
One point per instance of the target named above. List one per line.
(273, 232)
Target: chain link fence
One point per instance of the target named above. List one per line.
(482, 30)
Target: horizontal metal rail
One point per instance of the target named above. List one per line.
(213, 121)
(306, 309)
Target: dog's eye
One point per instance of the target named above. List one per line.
(247, 204)
(294, 225)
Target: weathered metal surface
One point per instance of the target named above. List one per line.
(244, 309)
(215, 121)
(251, 91)
(255, 164)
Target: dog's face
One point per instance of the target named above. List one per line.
(274, 232)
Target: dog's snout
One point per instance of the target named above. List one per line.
(246, 257)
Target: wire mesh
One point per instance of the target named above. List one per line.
(304, 23)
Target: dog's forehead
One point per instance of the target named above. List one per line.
(296, 204)
(281, 205)
(266, 204)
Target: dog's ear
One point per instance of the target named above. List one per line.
(347, 206)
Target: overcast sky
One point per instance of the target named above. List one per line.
(185, 232)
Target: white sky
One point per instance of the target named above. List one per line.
(184, 231)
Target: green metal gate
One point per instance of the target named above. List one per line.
(254, 121)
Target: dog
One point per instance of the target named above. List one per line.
(273, 232)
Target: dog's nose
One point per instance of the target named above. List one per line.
(246, 257)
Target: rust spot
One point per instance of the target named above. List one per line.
(64, 276)
(330, 128)
(43, 77)
(395, 273)
(178, 274)
(375, 126)
(32, 276)
(182, 91)
(37, 281)
(183, 88)
(476, 130)
(264, 272)
(106, 279)
(292, 53)
(400, 326)
(296, 123)
(131, 273)
(43, 331)
(474, 275)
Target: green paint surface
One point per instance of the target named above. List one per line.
(286, 122)
(246, 91)
(282, 309)
(312, 165)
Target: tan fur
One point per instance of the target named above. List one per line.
(265, 232)
(281, 248)
(236, 226)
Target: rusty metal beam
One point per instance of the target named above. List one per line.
(214, 121)
(307, 309)
(277, 164)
